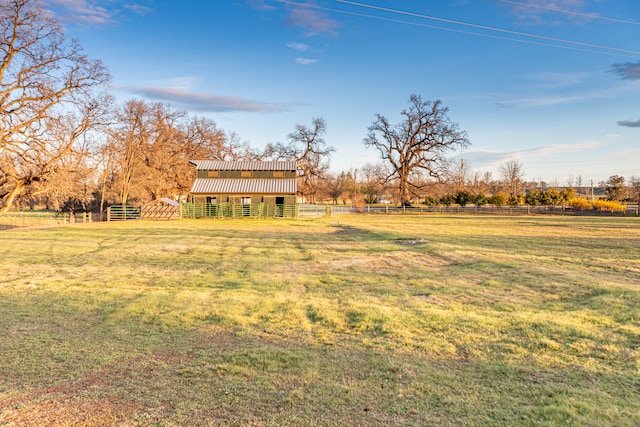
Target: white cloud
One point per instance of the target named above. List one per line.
(260, 5)
(298, 46)
(493, 158)
(314, 21)
(550, 12)
(306, 61)
(203, 102)
(544, 101)
(88, 12)
(138, 9)
(181, 83)
(560, 80)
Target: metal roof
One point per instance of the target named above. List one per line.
(243, 186)
(220, 165)
(170, 201)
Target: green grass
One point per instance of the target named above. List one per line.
(354, 320)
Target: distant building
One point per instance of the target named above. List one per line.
(244, 188)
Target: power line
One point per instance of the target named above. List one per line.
(453, 30)
(484, 27)
(570, 12)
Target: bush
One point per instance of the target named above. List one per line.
(480, 200)
(463, 198)
(431, 201)
(580, 203)
(358, 202)
(499, 199)
(516, 200)
(448, 200)
(608, 206)
(567, 195)
(548, 197)
(534, 197)
(598, 205)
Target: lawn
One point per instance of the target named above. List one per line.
(351, 320)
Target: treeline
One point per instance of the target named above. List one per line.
(369, 185)
(65, 144)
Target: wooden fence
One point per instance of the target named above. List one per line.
(477, 210)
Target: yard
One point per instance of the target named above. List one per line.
(350, 320)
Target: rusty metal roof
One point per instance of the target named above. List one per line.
(219, 165)
(243, 186)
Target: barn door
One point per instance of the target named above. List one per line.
(279, 207)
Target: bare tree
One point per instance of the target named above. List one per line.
(44, 82)
(127, 139)
(372, 182)
(151, 146)
(418, 145)
(635, 188)
(512, 173)
(579, 185)
(458, 175)
(570, 181)
(308, 148)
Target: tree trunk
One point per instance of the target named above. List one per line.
(405, 196)
(10, 197)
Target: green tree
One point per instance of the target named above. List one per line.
(615, 188)
(499, 199)
(463, 198)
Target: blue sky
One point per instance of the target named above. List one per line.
(552, 83)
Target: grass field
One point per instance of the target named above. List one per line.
(354, 320)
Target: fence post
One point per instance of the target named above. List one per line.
(109, 214)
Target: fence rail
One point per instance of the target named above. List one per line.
(226, 210)
(208, 210)
(123, 213)
(37, 218)
(497, 210)
(475, 210)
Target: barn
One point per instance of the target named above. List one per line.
(243, 188)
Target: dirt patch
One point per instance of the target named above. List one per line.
(70, 411)
(413, 242)
(82, 401)
(383, 262)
